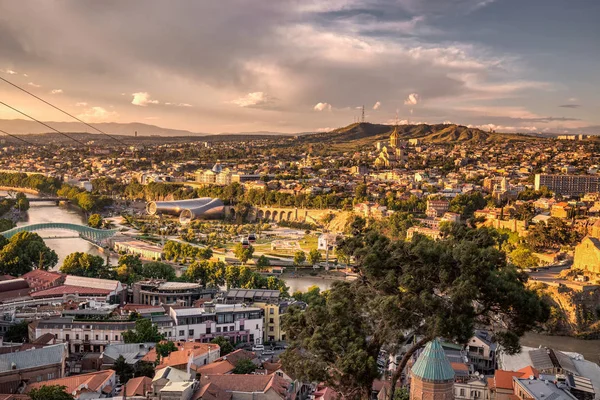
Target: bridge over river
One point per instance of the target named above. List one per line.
(83, 231)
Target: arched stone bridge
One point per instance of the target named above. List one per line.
(83, 231)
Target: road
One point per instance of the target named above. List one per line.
(550, 277)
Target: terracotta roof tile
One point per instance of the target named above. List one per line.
(94, 381)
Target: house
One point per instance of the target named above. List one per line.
(190, 355)
(132, 352)
(243, 387)
(326, 241)
(136, 387)
(500, 385)
(32, 366)
(166, 375)
(84, 386)
(177, 391)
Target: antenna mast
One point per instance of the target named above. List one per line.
(363, 114)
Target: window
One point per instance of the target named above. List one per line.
(116, 337)
(271, 320)
(271, 311)
(67, 336)
(241, 327)
(77, 336)
(181, 333)
(96, 337)
(256, 326)
(224, 329)
(191, 332)
(476, 394)
(87, 337)
(105, 337)
(462, 392)
(218, 329)
(271, 329)
(51, 376)
(208, 330)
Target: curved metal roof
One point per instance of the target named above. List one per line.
(433, 365)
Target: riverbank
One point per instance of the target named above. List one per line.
(19, 189)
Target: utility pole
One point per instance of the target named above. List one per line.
(363, 115)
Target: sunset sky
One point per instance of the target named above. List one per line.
(306, 65)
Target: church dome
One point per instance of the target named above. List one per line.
(433, 365)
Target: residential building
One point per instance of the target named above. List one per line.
(177, 391)
(432, 233)
(244, 387)
(32, 365)
(238, 323)
(528, 389)
(481, 351)
(571, 185)
(436, 208)
(164, 376)
(81, 336)
(84, 386)
(133, 353)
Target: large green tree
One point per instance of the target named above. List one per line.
(224, 344)
(144, 332)
(158, 270)
(244, 367)
(26, 251)
(423, 289)
(50, 392)
(95, 221)
(83, 264)
(243, 253)
(17, 333)
(123, 370)
(6, 224)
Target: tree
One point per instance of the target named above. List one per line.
(444, 288)
(523, 257)
(299, 258)
(22, 203)
(24, 252)
(6, 224)
(129, 268)
(50, 392)
(243, 254)
(312, 296)
(244, 367)
(145, 332)
(18, 333)
(263, 262)
(123, 370)
(83, 264)
(466, 204)
(145, 368)
(95, 221)
(224, 344)
(361, 192)
(163, 349)
(158, 270)
(314, 256)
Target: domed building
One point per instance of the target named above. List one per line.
(432, 376)
(391, 155)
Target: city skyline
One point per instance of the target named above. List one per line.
(305, 66)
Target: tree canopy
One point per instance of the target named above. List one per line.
(422, 288)
(50, 392)
(158, 270)
(23, 252)
(243, 253)
(144, 332)
(244, 367)
(84, 264)
(224, 344)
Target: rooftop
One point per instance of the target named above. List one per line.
(433, 365)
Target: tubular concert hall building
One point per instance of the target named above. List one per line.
(188, 210)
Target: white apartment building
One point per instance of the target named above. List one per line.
(236, 322)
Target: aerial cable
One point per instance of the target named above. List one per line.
(62, 111)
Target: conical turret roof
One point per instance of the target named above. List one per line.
(395, 133)
(433, 365)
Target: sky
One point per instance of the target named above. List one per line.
(306, 65)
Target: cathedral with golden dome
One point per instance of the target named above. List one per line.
(392, 154)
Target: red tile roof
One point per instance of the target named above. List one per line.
(137, 386)
(504, 379)
(67, 289)
(92, 382)
(219, 367)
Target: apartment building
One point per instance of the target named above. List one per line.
(571, 185)
(158, 292)
(238, 323)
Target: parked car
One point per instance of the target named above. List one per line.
(258, 347)
(268, 352)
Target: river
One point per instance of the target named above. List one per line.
(49, 212)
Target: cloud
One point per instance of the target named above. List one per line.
(178, 104)
(376, 105)
(570, 105)
(142, 99)
(35, 85)
(412, 99)
(81, 104)
(56, 91)
(322, 107)
(253, 99)
(572, 99)
(98, 114)
(9, 71)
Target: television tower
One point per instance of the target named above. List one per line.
(362, 118)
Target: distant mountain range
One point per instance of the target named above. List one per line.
(438, 133)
